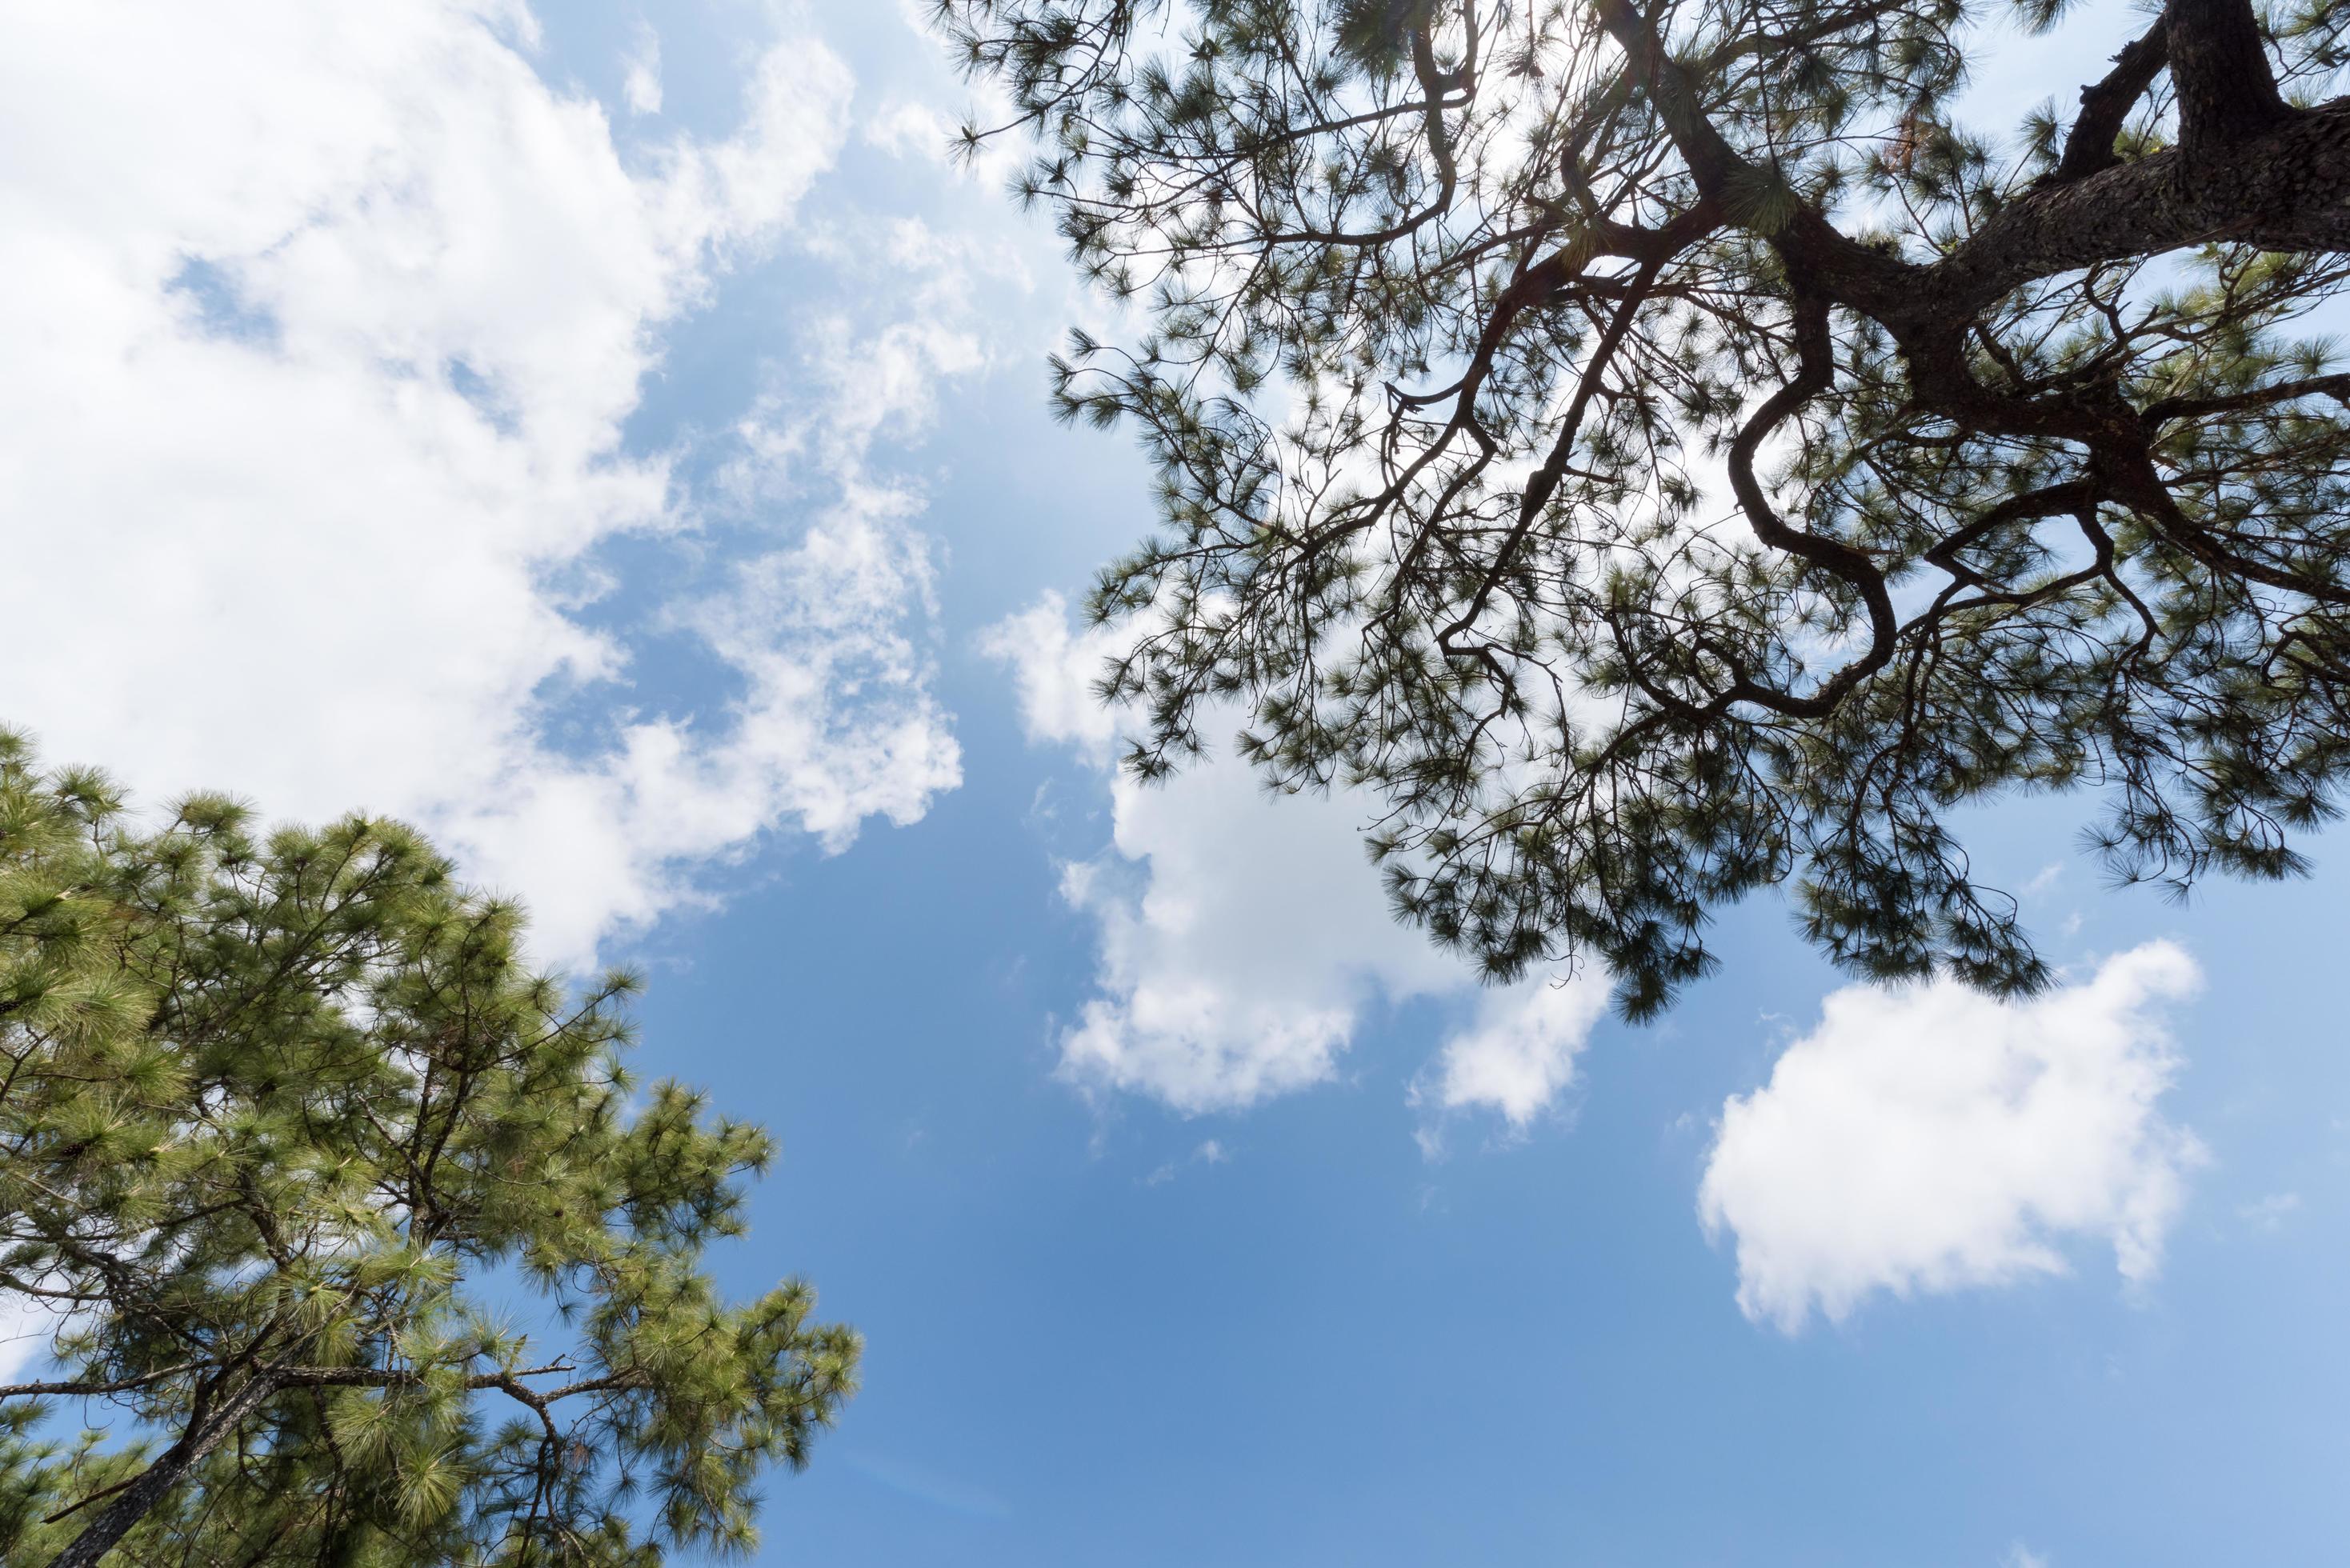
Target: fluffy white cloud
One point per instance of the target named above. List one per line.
(322, 327)
(1054, 670)
(1244, 939)
(1520, 1052)
(1931, 1138)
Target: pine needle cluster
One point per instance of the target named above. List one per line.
(356, 1220)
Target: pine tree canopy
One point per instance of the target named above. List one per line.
(358, 1221)
(1658, 449)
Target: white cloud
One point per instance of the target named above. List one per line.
(1210, 1152)
(1053, 670)
(916, 132)
(1244, 939)
(640, 86)
(1930, 1139)
(26, 1329)
(902, 128)
(2022, 1556)
(1520, 1052)
(310, 428)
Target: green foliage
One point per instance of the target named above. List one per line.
(1659, 452)
(290, 1136)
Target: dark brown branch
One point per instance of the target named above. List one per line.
(1815, 368)
(2051, 501)
(1544, 483)
(119, 1385)
(2220, 64)
(104, 1532)
(2106, 106)
(2284, 188)
(2337, 387)
(2278, 181)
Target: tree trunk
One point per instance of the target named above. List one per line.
(115, 1519)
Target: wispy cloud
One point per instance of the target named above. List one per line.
(2268, 1215)
(1210, 1152)
(925, 1485)
(331, 376)
(641, 83)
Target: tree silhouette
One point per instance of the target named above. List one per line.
(1658, 451)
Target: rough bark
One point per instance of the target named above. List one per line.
(2285, 186)
(2106, 106)
(130, 1505)
(2220, 64)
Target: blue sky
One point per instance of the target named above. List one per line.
(617, 436)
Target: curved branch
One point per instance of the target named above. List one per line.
(2106, 106)
(1816, 367)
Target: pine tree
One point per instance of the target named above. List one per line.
(355, 1218)
(1660, 452)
